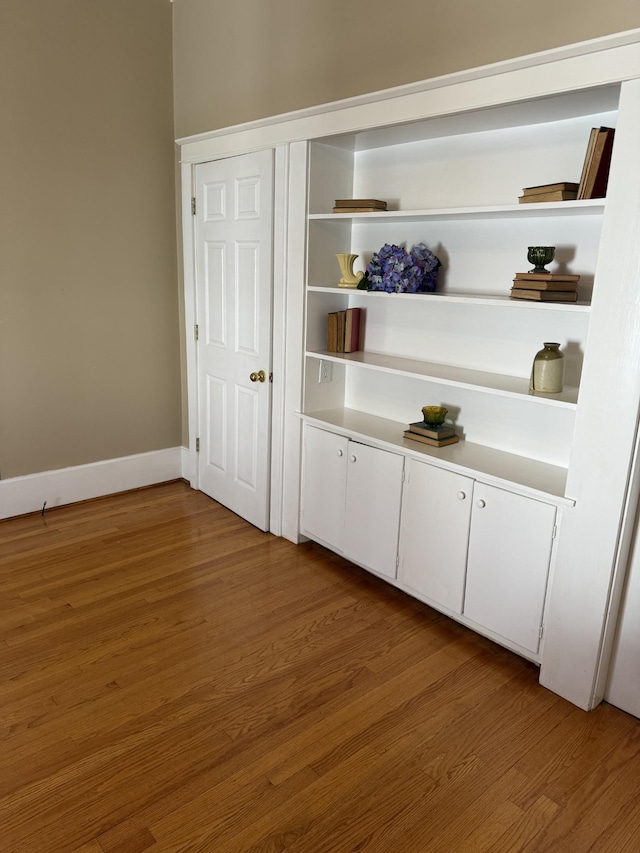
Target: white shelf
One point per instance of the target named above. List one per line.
(531, 477)
(557, 208)
(462, 377)
(460, 298)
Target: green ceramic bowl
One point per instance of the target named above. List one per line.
(434, 415)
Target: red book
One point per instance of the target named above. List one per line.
(352, 330)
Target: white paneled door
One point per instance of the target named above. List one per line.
(234, 247)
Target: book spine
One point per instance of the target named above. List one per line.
(442, 432)
(352, 330)
(545, 296)
(587, 161)
(358, 210)
(567, 186)
(332, 332)
(341, 323)
(559, 195)
(432, 442)
(525, 284)
(531, 276)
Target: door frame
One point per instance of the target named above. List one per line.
(278, 327)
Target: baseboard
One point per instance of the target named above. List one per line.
(21, 495)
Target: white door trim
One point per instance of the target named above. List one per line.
(279, 331)
(189, 260)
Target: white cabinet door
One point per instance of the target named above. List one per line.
(324, 486)
(351, 495)
(508, 564)
(374, 494)
(434, 535)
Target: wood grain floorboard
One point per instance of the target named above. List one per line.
(173, 680)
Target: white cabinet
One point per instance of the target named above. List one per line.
(351, 499)
(473, 550)
(477, 550)
(434, 534)
(508, 564)
(324, 482)
(372, 517)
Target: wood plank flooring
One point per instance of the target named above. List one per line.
(175, 681)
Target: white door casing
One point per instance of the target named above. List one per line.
(234, 272)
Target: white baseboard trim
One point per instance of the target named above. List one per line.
(20, 495)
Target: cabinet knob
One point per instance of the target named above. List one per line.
(462, 496)
(481, 503)
(340, 453)
(353, 457)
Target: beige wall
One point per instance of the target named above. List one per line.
(89, 337)
(234, 62)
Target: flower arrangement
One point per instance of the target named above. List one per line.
(395, 270)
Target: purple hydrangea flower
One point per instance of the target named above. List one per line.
(395, 270)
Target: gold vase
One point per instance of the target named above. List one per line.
(349, 278)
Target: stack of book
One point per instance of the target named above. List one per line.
(563, 191)
(359, 205)
(436, 436)
(343, 330)
(595, 169)
(545, 287)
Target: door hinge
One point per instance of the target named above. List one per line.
(197, 445)
(554, 532)
(196, 331)
(540, 632)
(193, 205)
(403, 475)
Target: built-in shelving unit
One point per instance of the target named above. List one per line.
(451, 157)
(453, 184)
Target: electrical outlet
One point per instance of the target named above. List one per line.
(326, 371)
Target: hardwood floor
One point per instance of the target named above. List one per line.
(175, 681)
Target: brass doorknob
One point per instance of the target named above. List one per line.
(260, 376)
